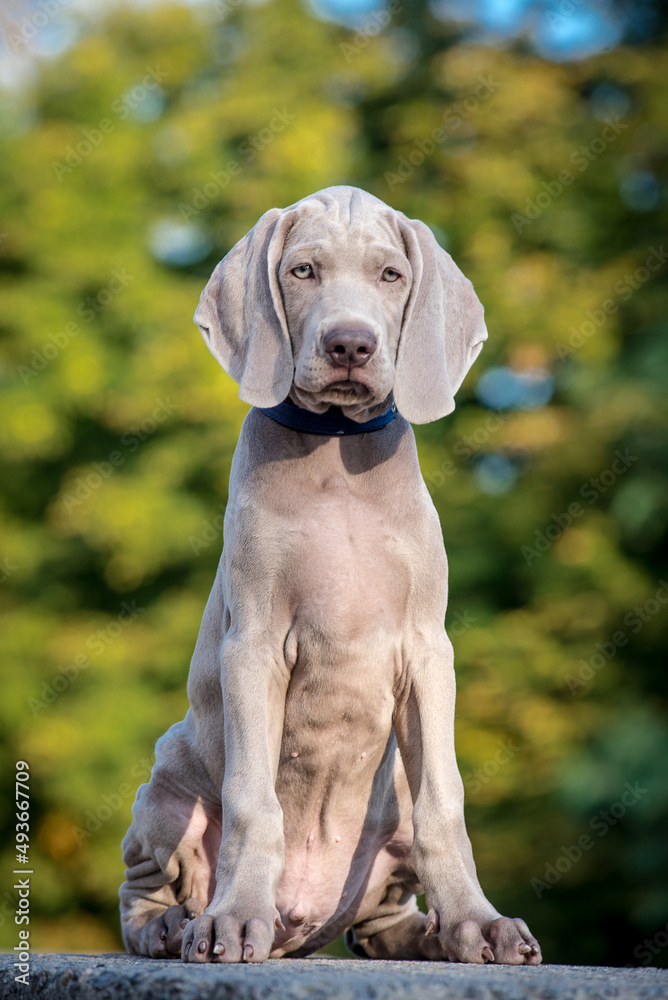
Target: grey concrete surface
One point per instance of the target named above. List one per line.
(121, 977)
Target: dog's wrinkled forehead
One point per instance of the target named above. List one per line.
(344, 212)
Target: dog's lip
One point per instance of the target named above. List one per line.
(345, 381)
(345, 384)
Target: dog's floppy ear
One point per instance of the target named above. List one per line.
(241, 316)
(442, 333)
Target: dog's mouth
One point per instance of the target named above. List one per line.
(356, 390)
(351, 397)
(351, 383)
(346, 387)
(345, 392)
(338, 388)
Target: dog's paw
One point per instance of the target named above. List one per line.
(163, 935)
(504, 940)
(225, 938)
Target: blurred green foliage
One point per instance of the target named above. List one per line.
(128, 167)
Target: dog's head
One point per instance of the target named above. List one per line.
(340, 300)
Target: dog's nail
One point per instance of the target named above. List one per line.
(294, 754)
(184, 922)
(163, 935)
(524, 949)
(201, 947)
(219, 949)
(248, 952)
(433, 923)
(278, 924)
(487, 953)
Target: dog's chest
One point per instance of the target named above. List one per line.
(348, 563)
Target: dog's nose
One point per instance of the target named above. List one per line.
(350, 348)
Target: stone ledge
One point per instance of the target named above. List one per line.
(121, 977)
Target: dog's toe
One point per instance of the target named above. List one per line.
(503, 940)
(176, 920)
(227, 939)
(163, 934)
(528, 946)
(155, 939)
(465, 943)
(198, 940)
(228, 944)
(258, 939)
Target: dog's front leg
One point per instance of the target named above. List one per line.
(468, 927)
(238, 925)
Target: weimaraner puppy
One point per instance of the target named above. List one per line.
(312, 788)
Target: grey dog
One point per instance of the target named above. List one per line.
(312, 788)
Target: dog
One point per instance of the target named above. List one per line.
(312, 788)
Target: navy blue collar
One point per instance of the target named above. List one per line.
(298, 419)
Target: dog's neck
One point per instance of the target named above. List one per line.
(332, 423)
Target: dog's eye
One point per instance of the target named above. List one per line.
(389, 274)
(302, 271)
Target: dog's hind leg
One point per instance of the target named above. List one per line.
(396, 930)
(170, 851)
